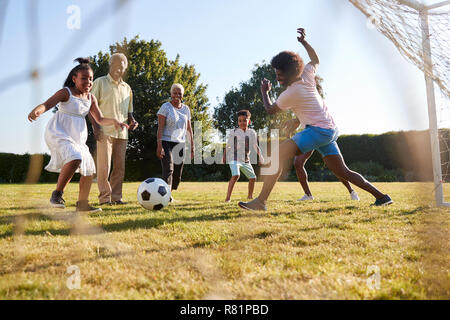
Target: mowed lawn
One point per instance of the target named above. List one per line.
(202, 248)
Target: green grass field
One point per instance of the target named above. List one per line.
(202, 248)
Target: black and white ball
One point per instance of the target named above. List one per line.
(153, 194)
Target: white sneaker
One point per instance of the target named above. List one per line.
(354, 195)
(305, 198)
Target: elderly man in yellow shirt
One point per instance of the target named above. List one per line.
(115, 100)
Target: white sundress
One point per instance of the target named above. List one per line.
(66, 134)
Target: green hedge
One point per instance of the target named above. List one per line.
(393, 156)
(14, 168)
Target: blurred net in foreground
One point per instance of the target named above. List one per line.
(105, 243)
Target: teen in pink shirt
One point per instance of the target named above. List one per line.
(305, 101)
(320, 131)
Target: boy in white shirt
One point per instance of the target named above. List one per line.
(237, 153)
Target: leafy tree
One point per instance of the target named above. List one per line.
(150, 75)
(248, 96)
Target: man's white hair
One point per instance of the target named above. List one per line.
(120, 56)
(179, 86)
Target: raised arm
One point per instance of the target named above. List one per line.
(60, 96)
(311, 52)
(270, 107)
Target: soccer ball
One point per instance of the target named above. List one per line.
(153, 194)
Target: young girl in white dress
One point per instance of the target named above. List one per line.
(66, 133)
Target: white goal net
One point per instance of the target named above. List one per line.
(421, 33)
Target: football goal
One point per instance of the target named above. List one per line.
(421, 33)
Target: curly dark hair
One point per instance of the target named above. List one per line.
(245, 113)
(289, 63)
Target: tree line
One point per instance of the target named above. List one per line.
(389, 157)
(392, 156)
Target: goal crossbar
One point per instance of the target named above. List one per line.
(421, 7)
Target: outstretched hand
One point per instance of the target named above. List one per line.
(301, 35)
(120, 125)
(266, 86)
(35, 113)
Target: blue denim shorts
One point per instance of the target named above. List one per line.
(316, 138)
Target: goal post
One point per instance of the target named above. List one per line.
(432, 116)
(406, 24)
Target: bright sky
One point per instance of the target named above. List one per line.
(369, 86)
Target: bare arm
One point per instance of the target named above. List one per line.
(311, 52)
(60, 96)
(95, 127)
(96, 91)
(132, 122)
(224, 157)
(98, 116)
(191, 137)
(227, 147)
(259, 153)
(257, 149)
(270, 107)
(290, 126)
(161, 124)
